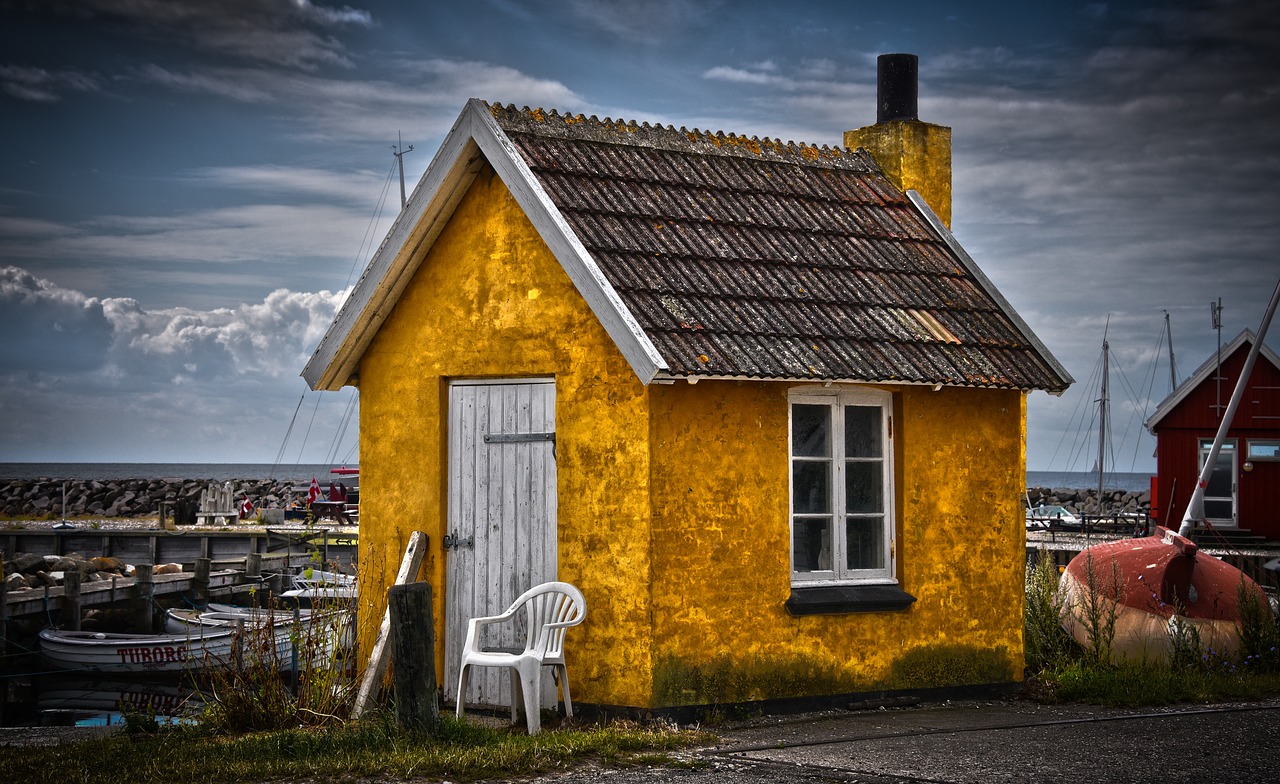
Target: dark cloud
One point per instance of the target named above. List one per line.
(49, 329)
(39, 85)
(268, 31)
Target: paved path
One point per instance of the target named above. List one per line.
(997, 742)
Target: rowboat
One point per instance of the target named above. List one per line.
(180, 621)
(200, 648)
(313, 586)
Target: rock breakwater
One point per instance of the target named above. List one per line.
(125, 498)
(43, 498)
(1086, 501)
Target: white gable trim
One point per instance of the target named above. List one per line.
(474, 138)
(929, 215)
(1203, 373)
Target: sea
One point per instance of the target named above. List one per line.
(218, 472)
(303, 472)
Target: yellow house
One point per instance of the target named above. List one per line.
(751, 397)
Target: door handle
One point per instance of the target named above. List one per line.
(453, 540)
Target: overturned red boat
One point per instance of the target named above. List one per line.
(1151, 581)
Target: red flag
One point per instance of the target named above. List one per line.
(314, 492)
(246, 508)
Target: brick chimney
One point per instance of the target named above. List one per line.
(914, 155)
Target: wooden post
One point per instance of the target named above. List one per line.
(413, 644)
(143, 589)
(377, 669)
(71, 600)
(200, 581)
(253, 566)
(4, 617)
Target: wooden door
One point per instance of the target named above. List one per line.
(501, 537)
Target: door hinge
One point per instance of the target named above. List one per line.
(518, 438)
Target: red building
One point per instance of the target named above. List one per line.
(1244, 489)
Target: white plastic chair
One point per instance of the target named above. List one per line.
(551, 609)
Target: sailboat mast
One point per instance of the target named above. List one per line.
(1102, 419)
(399, 151)
(1173, 365)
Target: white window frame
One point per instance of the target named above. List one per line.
(837, 400)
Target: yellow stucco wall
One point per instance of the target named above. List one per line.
(673, 498)
(914, 155)
(721, 549)
(490, 301)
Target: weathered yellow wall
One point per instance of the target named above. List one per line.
(914, 155)
(673, 499)
(490, 300)
(721, 549)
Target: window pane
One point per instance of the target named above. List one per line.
(1264, 449)
(811, 545)
(811, 487)
(811, 431)
(863, 486)
(1220, 479)
(862, 431)
(1217, 509)
(864, 542)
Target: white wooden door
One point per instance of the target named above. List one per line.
(1220, 501)
(501, 537)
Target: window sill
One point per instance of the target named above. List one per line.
(839, 599)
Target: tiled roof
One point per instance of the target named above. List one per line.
(745, 257)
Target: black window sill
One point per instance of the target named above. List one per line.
(837, 599)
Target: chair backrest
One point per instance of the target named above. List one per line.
(546, 604)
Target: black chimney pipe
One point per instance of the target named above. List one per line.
(897, 88)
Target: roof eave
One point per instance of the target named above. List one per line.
(337, 356)
(668, 378)
(474, 138)
(1201, 374)
(1064, 378)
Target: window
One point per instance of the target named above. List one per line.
(842, 522)
(1264, 449)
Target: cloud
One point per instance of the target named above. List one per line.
(49, 328)
(39, 85)
(645, 21)
(353, 187)
(83, 378)
(58, 331)
(268, 31)
(277, 234)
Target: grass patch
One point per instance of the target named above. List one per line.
(372, 748)
(1133, 685)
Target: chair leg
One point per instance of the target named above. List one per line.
(516, 697)
(530, 676)
(462, 690)
(563, 673)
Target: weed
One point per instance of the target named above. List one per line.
(278, 682)
(1259, 631)
(1047, 643)
(1098, 610)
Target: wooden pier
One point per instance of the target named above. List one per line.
(215, 563)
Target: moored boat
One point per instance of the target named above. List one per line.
(197, 649)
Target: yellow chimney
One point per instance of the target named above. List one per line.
(914, 155)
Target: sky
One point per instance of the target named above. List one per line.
(189, 188)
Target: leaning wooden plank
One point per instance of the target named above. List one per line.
(377, 668)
